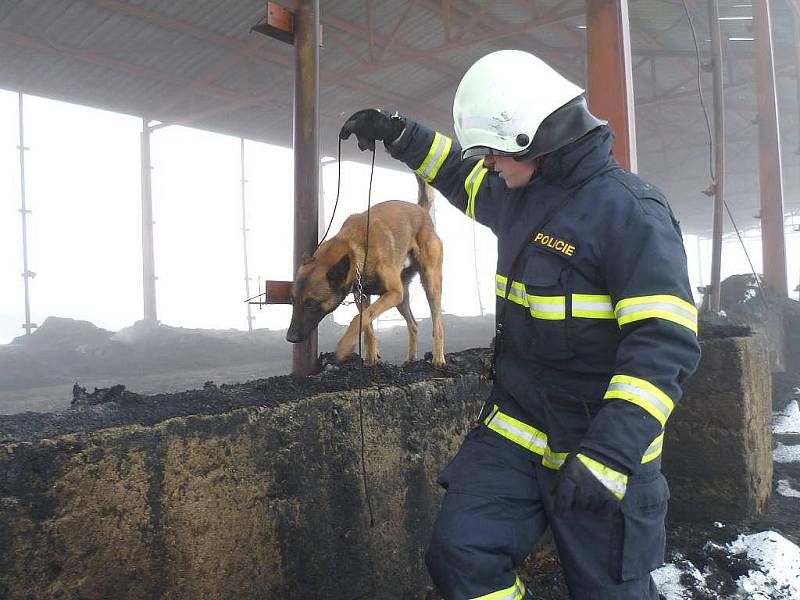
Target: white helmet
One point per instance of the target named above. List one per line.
(504, 98)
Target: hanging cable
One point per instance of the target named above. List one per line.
(360, 354)
(338, 184)
(711, 155)
(475, 263)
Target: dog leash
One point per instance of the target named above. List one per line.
(360, 355)
(358, 292)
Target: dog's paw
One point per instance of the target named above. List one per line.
(438, 362)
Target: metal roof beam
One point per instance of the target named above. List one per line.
(336, 77)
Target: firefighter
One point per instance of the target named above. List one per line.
(596, 333)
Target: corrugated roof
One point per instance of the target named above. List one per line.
(197, 62)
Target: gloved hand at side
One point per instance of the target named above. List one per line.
(372, 124)
(586, 485)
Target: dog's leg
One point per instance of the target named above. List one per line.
(390, 298)
(430, 259)
(370, 341)
(404, 308)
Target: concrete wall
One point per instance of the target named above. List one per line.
(268, 502)
(255, 503)
(718, 447)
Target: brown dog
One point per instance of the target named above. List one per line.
(402, 243)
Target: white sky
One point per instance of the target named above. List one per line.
(84, 234)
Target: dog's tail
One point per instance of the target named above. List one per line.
(425, 195)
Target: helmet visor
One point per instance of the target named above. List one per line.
(486, 150)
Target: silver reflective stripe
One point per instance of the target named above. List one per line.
(592, 306)
(618, 488)
(530, 440)
(516, 293)
(547, 307)
(615, 481)
(430, 166)
(654, 450)
(651, 399)
(551, 308)
(657, 307)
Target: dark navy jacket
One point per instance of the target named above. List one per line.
(600, 329)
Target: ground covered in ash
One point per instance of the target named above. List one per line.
(115, 406)
(37, 372)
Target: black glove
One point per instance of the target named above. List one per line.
(578, 488)
(372, 124)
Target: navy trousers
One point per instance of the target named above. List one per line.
(498, 504)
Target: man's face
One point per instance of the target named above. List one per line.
(514, 172)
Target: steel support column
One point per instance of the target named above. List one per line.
(306, 156)
(148, 254)
(610, 84)
(244, 240)
(719, 155)
(769, 153)
(26, 273)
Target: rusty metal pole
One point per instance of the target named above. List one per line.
(719, 155)
(148, 253)
(306, 156)
(610, 84)
(773, 241)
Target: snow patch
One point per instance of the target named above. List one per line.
(672, 580)
(779, 560)
(785, 489)
(785, 454)
(788, 421)
(770, 563)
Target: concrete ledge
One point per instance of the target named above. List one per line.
(718, 447)
(263, 498)
(254, 503)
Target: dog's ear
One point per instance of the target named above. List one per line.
(306, 258)
(337, 274)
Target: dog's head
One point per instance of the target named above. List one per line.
(321, 283)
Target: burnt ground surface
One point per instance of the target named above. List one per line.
(37, 372)
(115, 405)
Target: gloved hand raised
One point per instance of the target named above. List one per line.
(371, 124)
(586, 485)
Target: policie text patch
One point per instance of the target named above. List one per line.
(549, 241)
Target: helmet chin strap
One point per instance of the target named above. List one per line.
(563, 126)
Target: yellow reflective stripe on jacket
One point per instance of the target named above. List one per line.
(670, 308)
(471, 185)
(592, 306)
(615, 481)
(550, 308)
(514, 592)
(526, 436)
(516, 293)
(535, 440)
(654, 450)
(643, 394)
(440, 148)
